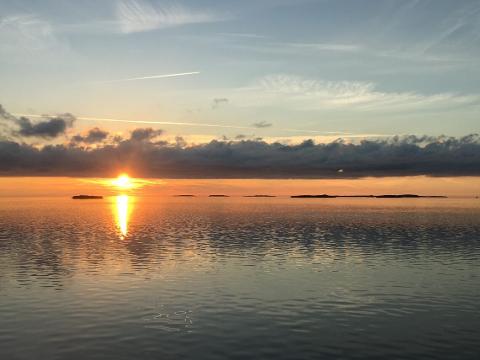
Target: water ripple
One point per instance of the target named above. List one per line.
(239, 279)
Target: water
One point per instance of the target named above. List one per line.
(152, 278)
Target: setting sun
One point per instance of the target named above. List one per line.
(123, 182)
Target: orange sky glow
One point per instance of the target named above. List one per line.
(63, 186)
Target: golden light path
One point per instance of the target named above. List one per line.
(123, 204)
(123, 209)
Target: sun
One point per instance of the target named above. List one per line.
(123, 181)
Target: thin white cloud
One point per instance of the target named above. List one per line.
(305, 94)
(149, 77)
(243, 35)
(463, 21)
(138, 16)
(293, 48)
(339, 47)
(26, 32)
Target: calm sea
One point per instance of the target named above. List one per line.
(214, 278)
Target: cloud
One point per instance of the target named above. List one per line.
(309, 94)
(217, 102)
(325, 46)
(143, 134)
(261, 124)
(138, 16)
(4, 114)
(93, 136)
(397, 156)
(294, 48)
(26, 32)
(46, 128)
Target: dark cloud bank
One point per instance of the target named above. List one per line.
(249, 159)
(143, 155)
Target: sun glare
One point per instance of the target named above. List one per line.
(123, 182)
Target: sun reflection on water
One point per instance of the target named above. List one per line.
(123, 210)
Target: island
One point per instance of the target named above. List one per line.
(220, 195)
(86, 197)
(184, 195)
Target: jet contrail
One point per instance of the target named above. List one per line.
(149, 77)
(186, 124)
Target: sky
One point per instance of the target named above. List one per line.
(65, 187)
(241, 82)
(357, 67)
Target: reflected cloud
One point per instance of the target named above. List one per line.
(123, 209)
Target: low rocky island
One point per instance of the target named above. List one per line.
(220, 195)
(86, 197)
(184, 195)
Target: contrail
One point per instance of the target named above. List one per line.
(149, 77)
(147, 122)
(187, 124)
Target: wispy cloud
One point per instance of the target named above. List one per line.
(292, 48)
(453, 29)
(149, 77)
(309, 94)
(339, 47)
(138, 16)
(26, 32)
(243, 35)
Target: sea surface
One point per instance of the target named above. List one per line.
(237, 278)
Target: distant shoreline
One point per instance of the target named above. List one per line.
(387, 196)
(302, 196)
